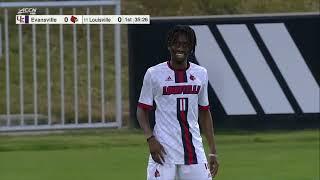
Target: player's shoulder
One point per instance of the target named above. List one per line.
(198, 68)
(158, 67)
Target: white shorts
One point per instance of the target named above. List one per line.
(157, 171)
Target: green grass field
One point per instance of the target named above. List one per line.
(117, 155)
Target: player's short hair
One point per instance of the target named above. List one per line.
(183, 29)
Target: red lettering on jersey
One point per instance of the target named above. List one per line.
(183, 89)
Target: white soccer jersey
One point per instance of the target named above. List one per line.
(178, 95)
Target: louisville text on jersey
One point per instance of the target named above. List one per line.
(182, 89)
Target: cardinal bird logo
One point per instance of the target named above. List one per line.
(192, 77)
(74, 19)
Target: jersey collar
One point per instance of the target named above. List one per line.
(184, 69)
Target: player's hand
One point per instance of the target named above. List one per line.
(213, 165)
(156, 150)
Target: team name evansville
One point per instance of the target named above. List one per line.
(183, 89)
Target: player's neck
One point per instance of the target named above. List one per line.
(178, 66)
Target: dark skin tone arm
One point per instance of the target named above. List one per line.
(205, 120)
(156, 149)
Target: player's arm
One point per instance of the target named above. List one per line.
(143, 118)
(206, 123)
(144, 106)
(207, 128)
(156, 149)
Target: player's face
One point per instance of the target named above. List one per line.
(180, 48)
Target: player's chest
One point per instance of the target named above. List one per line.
(178, 82)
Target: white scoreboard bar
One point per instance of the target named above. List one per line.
(82, 19)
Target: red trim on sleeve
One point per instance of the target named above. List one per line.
(204, 108)
(145, 106)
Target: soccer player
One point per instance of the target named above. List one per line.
(179, 90)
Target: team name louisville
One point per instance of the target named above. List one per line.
(183, 89)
